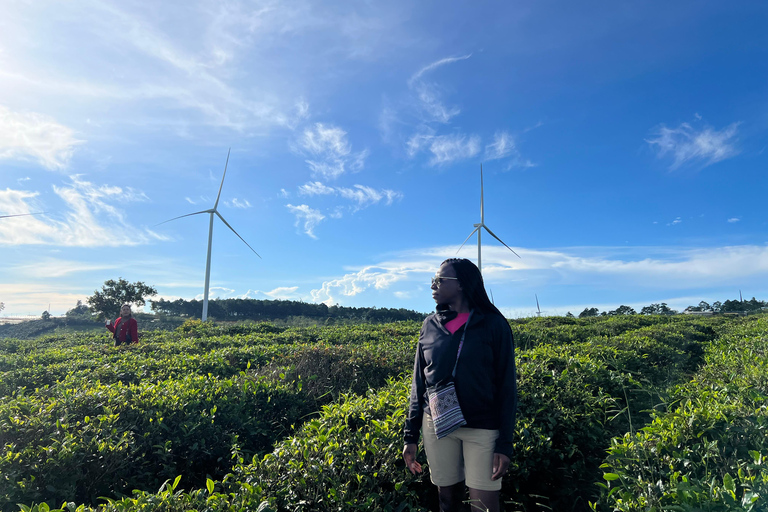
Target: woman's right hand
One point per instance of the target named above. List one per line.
(409, 455)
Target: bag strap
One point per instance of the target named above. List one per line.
(461, 343)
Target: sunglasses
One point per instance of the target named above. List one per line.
(437, 280)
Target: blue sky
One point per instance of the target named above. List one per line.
(623, 148)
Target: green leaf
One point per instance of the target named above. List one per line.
(209, 485)
(610, 476)
(728, 483)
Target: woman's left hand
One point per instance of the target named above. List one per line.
(500, 465)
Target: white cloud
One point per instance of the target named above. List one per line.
(283, 293)
(672, 268)
(418, 141)
(687, 145)
(91, 219)
(435, 65)
(642, 268)
(449, 148)
(216, 292)
(52, 268)
(330, 150)
(354, 283)
(363, 195)
(238, 203)
(307, 217)
(316, 188)
(32, 298)
(429, 94)
(366, 196)
(431, 102)
(326, 140)
(502, 146)
(677, 220)
(32, 136)
(734, 219)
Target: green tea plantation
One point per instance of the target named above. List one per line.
(623, 413)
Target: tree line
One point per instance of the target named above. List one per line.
(254, 309)
(729, 306)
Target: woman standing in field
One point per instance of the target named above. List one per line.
(467, 342)
(125, 329)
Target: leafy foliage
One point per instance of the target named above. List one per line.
(106, 303)
(266, 418)
(261, 310)
(708, 450)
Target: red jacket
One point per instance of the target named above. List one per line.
(129, 331)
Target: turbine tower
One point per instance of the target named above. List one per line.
(482, 225)
(213, 211)
(538, 309)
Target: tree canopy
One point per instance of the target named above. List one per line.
(106, 303)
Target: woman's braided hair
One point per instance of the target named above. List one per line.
(471, 281)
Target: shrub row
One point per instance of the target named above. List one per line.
(709, 451)
(574, 397)
(131, 418)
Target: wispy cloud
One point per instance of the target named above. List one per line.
(306, 217)
(32, 136)
(238, 203)
(449, 148)
(90, 219)
(429, 67)
(734, 219)
(642, 267)
(504, 147)
(687, 145)
(677, 220)
(364, 196)
(316, 188)
(49, 268)
(331, 152)
(429, 94)
(444, 148)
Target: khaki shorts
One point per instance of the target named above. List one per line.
(466, 454)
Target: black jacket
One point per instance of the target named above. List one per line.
(486, 382)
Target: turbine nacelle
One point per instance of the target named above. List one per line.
(482, 225)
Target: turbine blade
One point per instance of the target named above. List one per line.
(537, 302)
(235, 232)
(222, 183)
(20, 215)
(181, 216)
(465, 241)
(500, 240)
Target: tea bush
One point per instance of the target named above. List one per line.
(159, 397)
(228, 400)
(708, 451)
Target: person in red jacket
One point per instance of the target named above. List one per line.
(125, 329)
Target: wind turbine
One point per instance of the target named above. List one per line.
(538, 309)
(20, 215)
(213, 211)
(482, 225)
